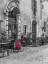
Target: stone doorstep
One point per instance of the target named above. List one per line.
(35, 44)
(4, 53)
(1, 54)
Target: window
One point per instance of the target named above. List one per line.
(42, 6)
(44, 26)
(25, 29)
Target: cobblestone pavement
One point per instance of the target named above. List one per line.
(30, 55)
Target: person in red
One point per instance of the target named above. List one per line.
(18, 45)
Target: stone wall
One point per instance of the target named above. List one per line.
(26, 13)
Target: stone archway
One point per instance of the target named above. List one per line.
(12, 10)
(12, 17)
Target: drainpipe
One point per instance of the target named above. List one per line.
(41, 9)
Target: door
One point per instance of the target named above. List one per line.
(34, 31)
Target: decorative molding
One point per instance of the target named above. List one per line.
(10, 6)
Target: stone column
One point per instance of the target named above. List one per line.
(7, 26)
(19, 26)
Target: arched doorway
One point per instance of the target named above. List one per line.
(34, 32)
(12, 11)
(13, 23)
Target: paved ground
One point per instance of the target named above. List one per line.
(30, 55)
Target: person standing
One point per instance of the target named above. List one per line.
(18, 45)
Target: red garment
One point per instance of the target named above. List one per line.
(18, 45)
(21, 39)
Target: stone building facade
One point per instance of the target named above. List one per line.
(24, 19)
